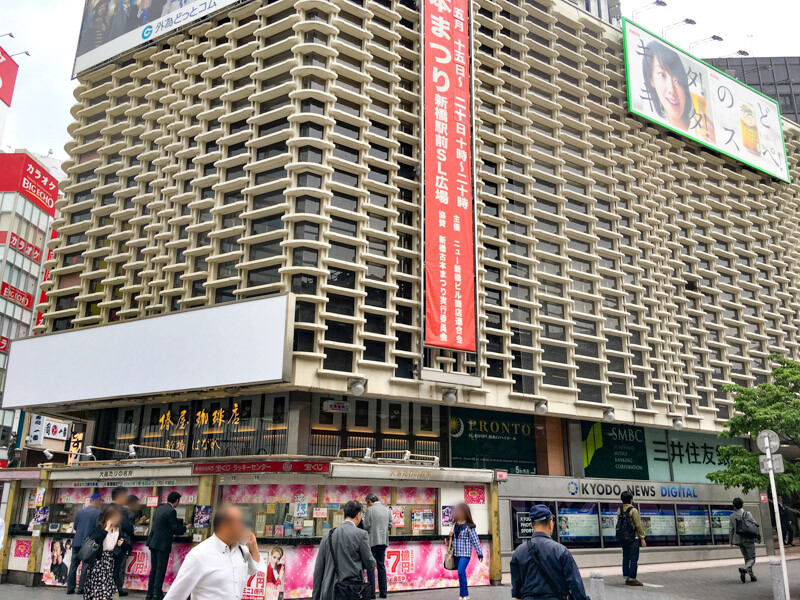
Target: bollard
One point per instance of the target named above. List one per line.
(597, 588)
(776, 575)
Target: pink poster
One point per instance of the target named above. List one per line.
(137, 568)
(22, 549)
(79, 495)
(340, 494)
(262, 494)
(188, 493)
(416, 495)
(409, 566)
(475, 494)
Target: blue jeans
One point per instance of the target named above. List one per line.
(630, 559)
(463, 563)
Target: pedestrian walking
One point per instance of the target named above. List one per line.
(83, 525)
(98, 581)
(543, 568)
(219, 567)
(786, 523)
(377, 520)
(165, 526)
(464, 538)
(344, 554)
(119, 495)
(744, 534)
(630, 534)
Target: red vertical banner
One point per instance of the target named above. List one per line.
(450, 301)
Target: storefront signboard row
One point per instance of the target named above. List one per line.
(261, 467)
(612, 450)
(569, 488)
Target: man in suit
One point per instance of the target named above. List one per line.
(350, 547)
(84, 524)
(377, 520)
(165, 526)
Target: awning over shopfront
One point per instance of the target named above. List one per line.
(234, 344)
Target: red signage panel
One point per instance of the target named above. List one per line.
(4, 344)
(20, 173)
(448, 182)
(243, 468)
(22, 298)
(8, 77)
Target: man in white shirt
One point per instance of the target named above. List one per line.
(218, 568)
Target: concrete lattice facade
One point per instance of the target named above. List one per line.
(276, 149)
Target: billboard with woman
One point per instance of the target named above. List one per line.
(684, 94)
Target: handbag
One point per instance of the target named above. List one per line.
(449, 557)
(534, 554)
(348, 590)
(747, 528)
(89, 551)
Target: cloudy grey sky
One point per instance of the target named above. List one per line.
(48, 29)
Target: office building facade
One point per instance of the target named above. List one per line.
(274, 149)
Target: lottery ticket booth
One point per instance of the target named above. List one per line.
(50, 506)
(292, 504)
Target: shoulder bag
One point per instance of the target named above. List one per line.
(348, 590)
(534, 554)
(449, 556)
(747, 528)
(89, 551)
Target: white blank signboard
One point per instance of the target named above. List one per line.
(233, 344)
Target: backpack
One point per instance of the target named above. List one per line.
(625, 529)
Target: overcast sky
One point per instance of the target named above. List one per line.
(48, 29)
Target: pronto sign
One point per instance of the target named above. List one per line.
(691, 98)
(448, 177)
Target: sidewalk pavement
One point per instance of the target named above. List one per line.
(716, 580)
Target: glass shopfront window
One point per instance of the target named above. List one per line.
(694, 527)
(276, 510)
(238, 426)
(720, 524)
(388, 427)
(609, 513)
(66, 504)
(520, 518)
(577, 524)
(658, 522)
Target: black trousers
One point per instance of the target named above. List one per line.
(158, 569)
(73, 572)
(379, 552)
(120, 560)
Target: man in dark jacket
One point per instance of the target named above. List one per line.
(119, 496)
(543, 568)
(165, 526)
(353, 556)
(84, 524)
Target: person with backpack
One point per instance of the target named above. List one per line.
(541, 567)
(744, 533)
(631, 535)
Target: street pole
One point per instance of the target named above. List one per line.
(768, 452)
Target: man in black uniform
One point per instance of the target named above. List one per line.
(541, 568)
(165, 526)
